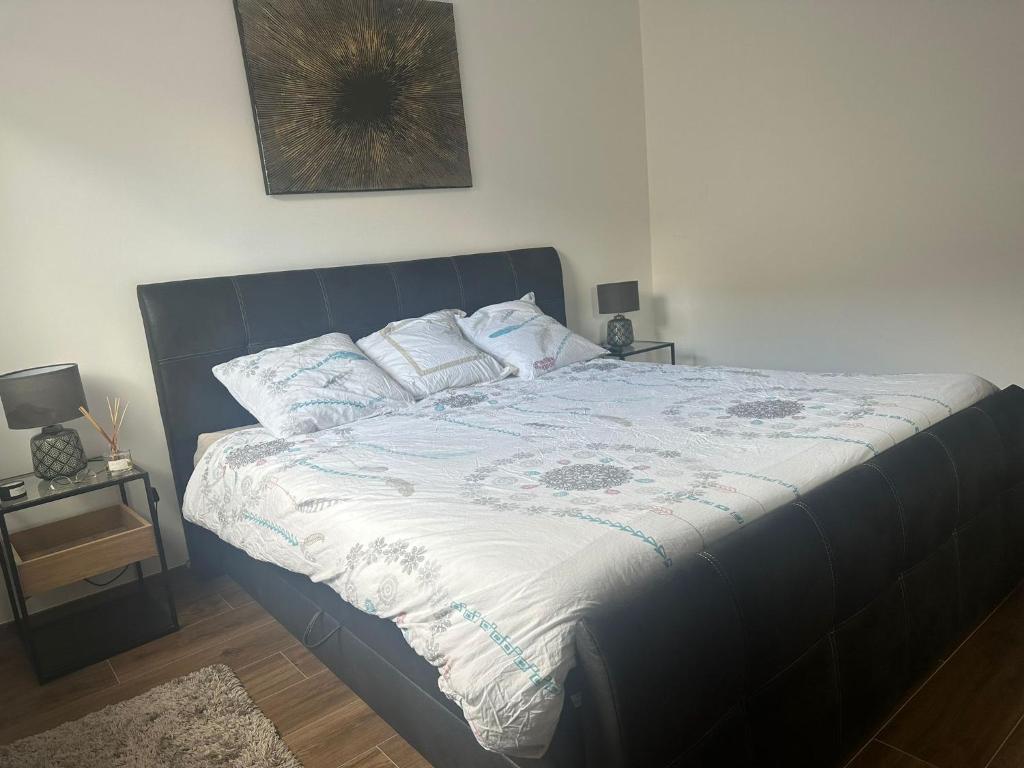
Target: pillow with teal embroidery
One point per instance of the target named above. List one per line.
(519, 334)
(309, 386)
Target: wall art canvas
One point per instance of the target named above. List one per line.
(355, 95)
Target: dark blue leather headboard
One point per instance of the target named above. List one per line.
(192, 325)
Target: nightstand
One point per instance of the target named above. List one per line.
(41, 558)
(639, 347)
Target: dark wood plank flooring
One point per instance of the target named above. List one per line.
(322, 720)
(968, 714)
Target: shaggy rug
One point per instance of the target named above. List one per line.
(202, 720)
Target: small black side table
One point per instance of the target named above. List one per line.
(76, 634)
(639, 347)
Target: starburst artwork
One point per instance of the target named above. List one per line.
(355, 95)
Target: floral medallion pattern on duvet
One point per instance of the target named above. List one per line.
(309, 386)
(485, 521)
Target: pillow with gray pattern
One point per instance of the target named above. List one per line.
(315, 384)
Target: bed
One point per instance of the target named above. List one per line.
(859, 526)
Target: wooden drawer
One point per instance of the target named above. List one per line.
(52, 555)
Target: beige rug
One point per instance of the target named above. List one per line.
(202, 720)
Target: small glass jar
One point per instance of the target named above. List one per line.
(119, 461)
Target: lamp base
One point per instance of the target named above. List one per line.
(620, 332)
(57, 452)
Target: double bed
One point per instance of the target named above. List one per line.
(616, 564)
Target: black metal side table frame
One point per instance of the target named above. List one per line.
(141, 627)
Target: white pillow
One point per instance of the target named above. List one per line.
(520, 335)
(428, 354)
(309, 386)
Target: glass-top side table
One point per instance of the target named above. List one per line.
(640, 347)
(43, 491)
(44, 557)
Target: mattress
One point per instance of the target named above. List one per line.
(484, 522)
(207, 439)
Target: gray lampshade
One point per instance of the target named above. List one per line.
(614, 298)
(39, 397)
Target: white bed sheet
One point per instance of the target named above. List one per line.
(486, 521)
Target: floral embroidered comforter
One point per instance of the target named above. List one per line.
(485, 521)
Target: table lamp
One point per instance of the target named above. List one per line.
(44, 397)
(614, 299)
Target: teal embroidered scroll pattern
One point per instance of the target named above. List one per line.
(404, 487)
(561, 345)
(545, 682)
(681, 383)
(918, 397)
(581, 411)
(263, 522)
(896, 417)
(561, 412)
(328, 401)
(640, 399)
(340, 355)
(795, 490)
(678, 497)
(787, 436)
(510, 328)
(416, 454)
(548, 363)
(457, 422)
(625, 528)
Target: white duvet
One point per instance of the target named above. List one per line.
(485, 521)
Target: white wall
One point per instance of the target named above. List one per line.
(839, 185)
(127, 155)
(832, 185)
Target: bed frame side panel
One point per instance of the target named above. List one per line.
(789, 641)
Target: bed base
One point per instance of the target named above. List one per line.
(784, 644)
(788, 642)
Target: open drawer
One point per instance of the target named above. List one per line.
(52, 555)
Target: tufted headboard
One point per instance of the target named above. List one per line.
(192, 325)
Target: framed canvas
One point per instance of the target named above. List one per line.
(355, 95)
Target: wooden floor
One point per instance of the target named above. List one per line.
(968, 714)
(325, 724)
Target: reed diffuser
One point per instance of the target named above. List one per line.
(118, 460)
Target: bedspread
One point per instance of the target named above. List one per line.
(485, 521)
